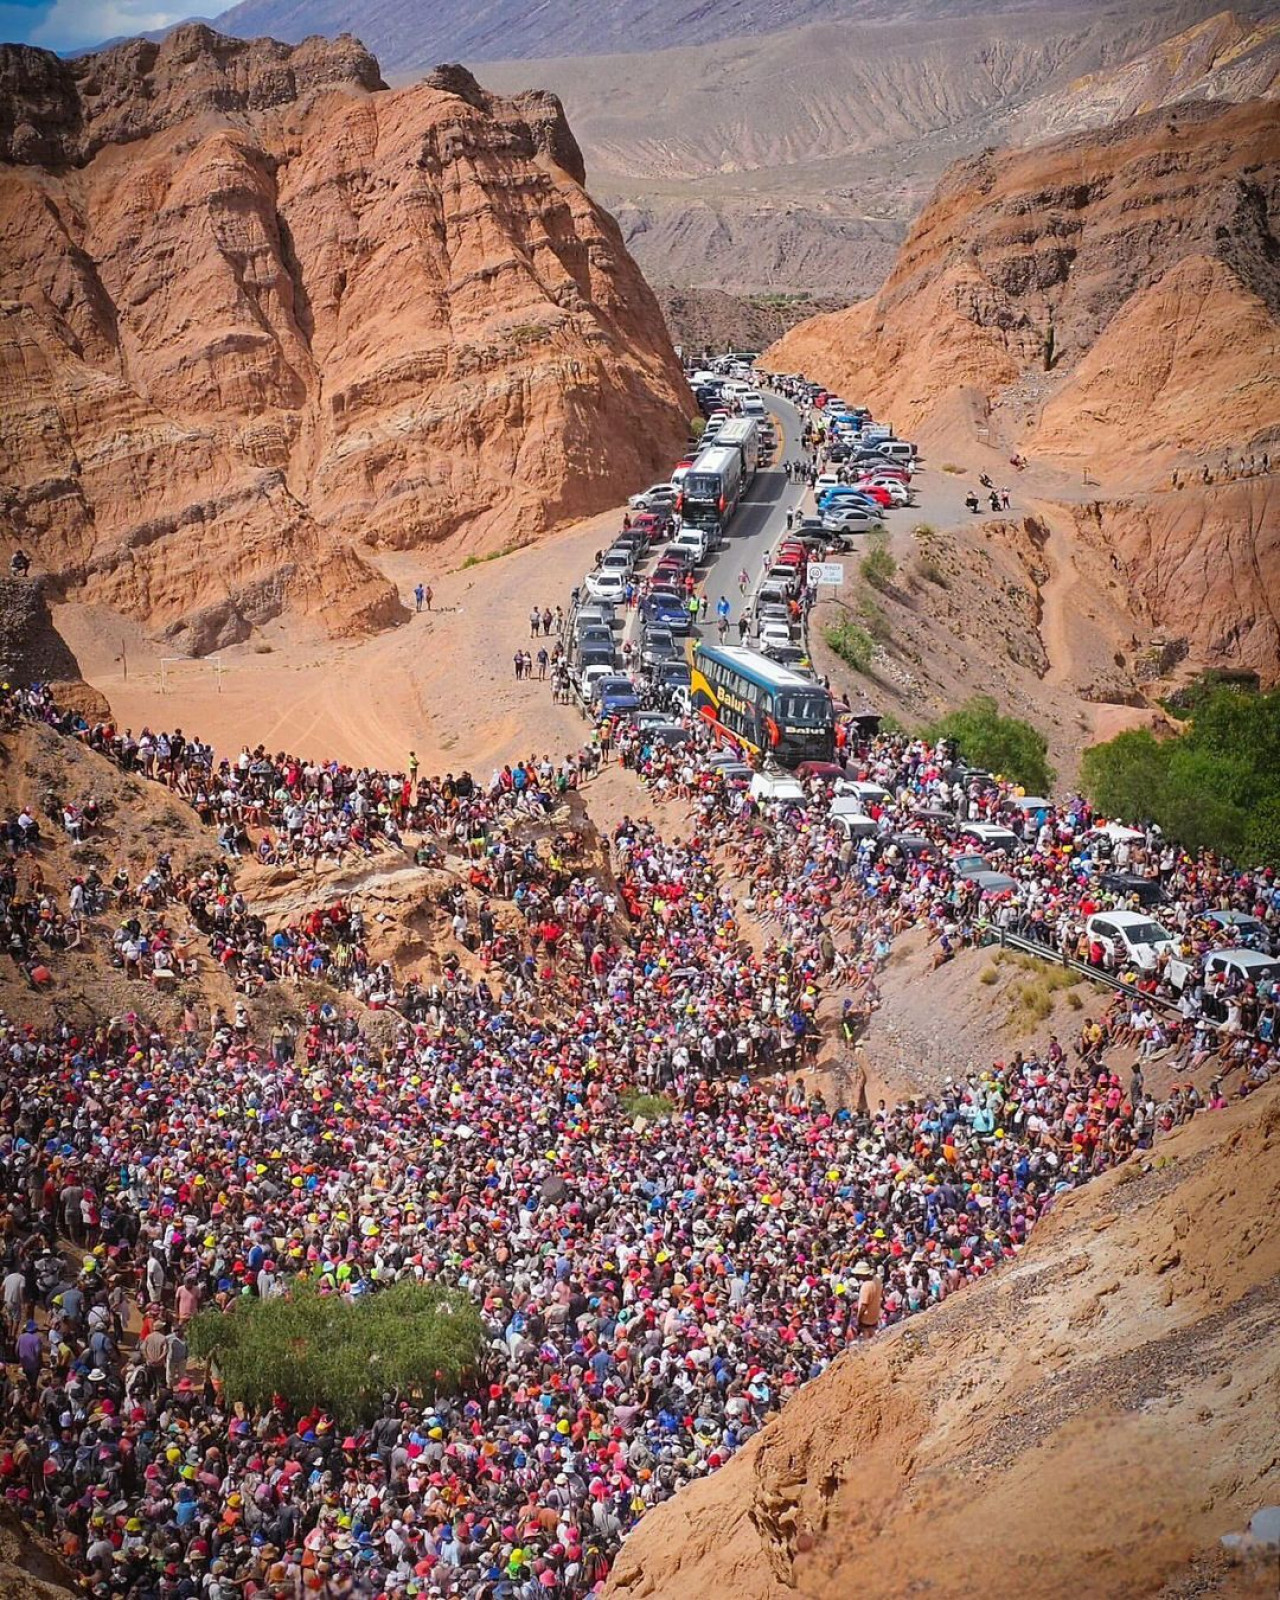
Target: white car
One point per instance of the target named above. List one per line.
(692, 540)
(657, 494)
(862, 790)
(773, 631)
(607, 586)
(826, 480)
(780, 787)
(1130, 938)
(850, 520)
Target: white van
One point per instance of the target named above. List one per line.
(752, 405)
(898, 450)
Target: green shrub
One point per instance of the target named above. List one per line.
(878, 567)
(650, 1106)
(317, 1349)
(1216, 785)
(851, 643)
(697, 427)
(1006, 745)
(874, 619)
(931, 571)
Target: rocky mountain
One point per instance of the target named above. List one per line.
(1109, 305)
(1137, 268)
(1093, 1419)
(408, 37)
(256, 310)
(795, 161)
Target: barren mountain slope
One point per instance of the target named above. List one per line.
(1086, 1421)
(794, 161)
(1141, 260)
(409, 37)
(1148, 255)
(256, 308)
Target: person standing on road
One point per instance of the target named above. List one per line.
(723, 608)
(702, 609)
(744, 578)
(743, 626)
(419, 595)
(791, 520)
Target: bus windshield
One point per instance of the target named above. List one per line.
(702, 486)
(801, 709)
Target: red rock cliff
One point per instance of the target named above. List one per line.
(254, 308)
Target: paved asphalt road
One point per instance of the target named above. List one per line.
(760, 521)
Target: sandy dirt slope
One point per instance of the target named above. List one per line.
(441, 684)
(1087, 1421)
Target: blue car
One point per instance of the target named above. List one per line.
(846, 494)
(665, 612)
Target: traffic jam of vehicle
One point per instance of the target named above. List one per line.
(677, 629)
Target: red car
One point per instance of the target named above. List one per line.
(649, 525)
(882, 497)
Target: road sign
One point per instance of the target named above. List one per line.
(826, 572)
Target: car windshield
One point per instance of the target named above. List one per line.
(1145, 933)
(805, 710)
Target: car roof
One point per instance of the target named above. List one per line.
(1244, 957)
(1125, 919)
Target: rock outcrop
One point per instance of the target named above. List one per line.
(256, 309)
(1143, 259)
(1091, 1420)
(1107, 304)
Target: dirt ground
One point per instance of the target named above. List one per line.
(441, 684)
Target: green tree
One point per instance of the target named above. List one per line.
(1006, 745)
(1216, 785)
(697, 427)
(1121, 776)
(319, 1349)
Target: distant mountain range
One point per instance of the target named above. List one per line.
(408, 36)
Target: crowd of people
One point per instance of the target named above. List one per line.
(655, 1275)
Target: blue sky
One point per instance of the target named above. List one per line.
(73, 24)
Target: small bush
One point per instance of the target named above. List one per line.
(1006, 745)
(925, 531)
(873, 617)
(931, 571)
(988, 975)
(650, 1106)
(950, 466)
(878, 567)
(851, 643)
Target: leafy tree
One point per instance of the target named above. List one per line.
(1216, 785)
(1006, 745)
(319, 1349)
(697, 427)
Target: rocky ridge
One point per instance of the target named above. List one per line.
(1109, 305)
(257, 311)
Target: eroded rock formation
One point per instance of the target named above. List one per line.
(256, 309)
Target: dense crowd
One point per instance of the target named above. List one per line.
(651, 1289)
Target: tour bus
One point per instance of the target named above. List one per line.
(761, 706)
(742, 435)
(711, 490)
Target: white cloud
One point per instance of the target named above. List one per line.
(79, 24)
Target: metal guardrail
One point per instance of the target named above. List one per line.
(1045, 952)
